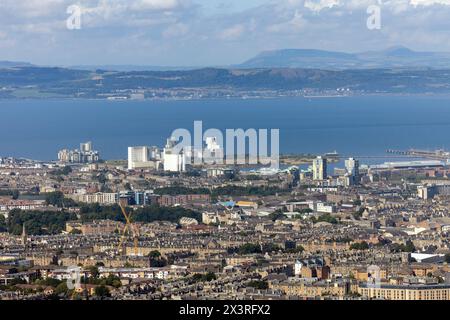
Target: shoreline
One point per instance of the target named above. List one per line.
(236, 98)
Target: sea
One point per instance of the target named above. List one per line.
(363, 127)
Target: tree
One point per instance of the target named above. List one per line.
(146, 214)
(409, 246)
(116, 283)
(277, 215)
(62, 288)
(270, 247)
(258, 284)
(93, 271)
(101, 178)
(66, 170)
(247, 191)
(38, 222)
(62, 172)
(49, 282)
(106, 189)
(249, 248)
(298, 249)
(358, 215)
(55, 198)
(156, 259)
(447, 258)
(102, 291)
(177, 190)
(325, 218)
(210, 276)
(3, 227)
(15, 194)
(359, 246)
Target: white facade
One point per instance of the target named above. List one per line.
(298, 268)
(325, 208)
(86, 154)
(86, 147)
(140, 158)
(174, 162)
(213, 152)
(319, 169)
(101, 198)
(352, 168)
(193, 155)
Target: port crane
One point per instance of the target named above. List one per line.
(127, 228)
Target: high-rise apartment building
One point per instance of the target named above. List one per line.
(86, 147)
(86, 154)
(352, 168)
(320, 169)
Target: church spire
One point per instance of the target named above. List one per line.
(24, 235)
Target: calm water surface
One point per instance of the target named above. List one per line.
(364, 126)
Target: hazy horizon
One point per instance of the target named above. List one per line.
(174, 67)
(195, 33)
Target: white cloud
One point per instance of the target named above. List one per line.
(176, 30)
(124, 28)
(318, 5)
(155, 4)
(429, 2)
(293, 25)
(233, 32)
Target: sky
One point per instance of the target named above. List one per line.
(210, 32)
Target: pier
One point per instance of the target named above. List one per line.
(437, 154)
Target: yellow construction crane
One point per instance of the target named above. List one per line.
(128, 226)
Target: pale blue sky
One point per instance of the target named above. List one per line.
(211, 32)
(230, 6)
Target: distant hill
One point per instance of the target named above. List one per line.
(12, 64)
(395, 57)
(128, 68)
(22, 76)
(63, 82)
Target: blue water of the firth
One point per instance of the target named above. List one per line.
(358, 126)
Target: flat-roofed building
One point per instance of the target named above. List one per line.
(319, 169)
(406, 292)
(142, 157)
(100, 197)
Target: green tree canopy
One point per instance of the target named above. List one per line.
(359, 246)
(258, 284)
(38, 222)
(102, 291)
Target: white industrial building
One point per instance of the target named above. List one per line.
(143, 158)
(174, 162)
